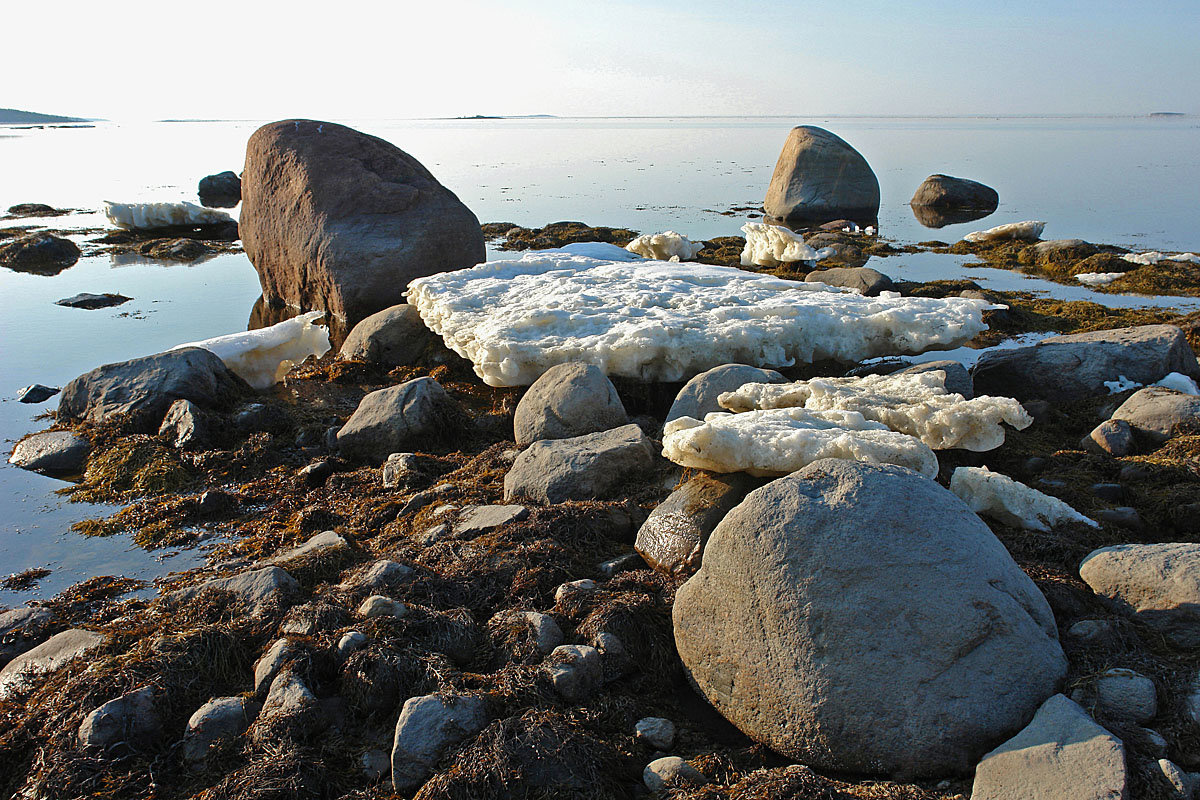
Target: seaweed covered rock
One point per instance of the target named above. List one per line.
(860, 618)
(48, 656)
(672, 538)
(581, 468)
(1158, 584)
(699, 395)
(220, 718)
(394, 337)
(256, 588)
(945, 192)
(389, 420)
(820, 177)
(147, 386)
(52, 453)
(338, 220)
(39, 252)
(427, 727)
(132, 717)
(568, 400)
(1069, 368)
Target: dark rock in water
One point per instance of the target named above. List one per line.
(37, 393)
(865, 280)
(388, 420)
(91, 301)
(941, 217)
(52, 453)
(945, 192)
(581, 468)
(214, 232)
(34, 210)
(394, 337)
(147, 386)
(672, 538)
(570, 399)
(338, 220)
(819, 177)
(223, 190)
(180, 249)
(42, 253)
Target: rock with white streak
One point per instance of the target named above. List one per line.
(666, 246)
(1012, 502)
(427, 727)
(1061, 754)
(323, 543)
(1158, 584)
(772, 245)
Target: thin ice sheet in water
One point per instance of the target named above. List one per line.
(147, 216)
(262, 357)
(1011, 502)
(782, 440)
(660, 321)
(1029, 230)
(916, 404)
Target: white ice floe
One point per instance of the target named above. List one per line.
(602, 250)
(1011, 502)
(771, 245)
(1154, 257)
(1180, 383)
(916, 404)
(146, 216)
(262, 357)
(665, 246)
(782, 440)
(1028, 230)
(1121, 384)
(660, 321)
(1097, 278)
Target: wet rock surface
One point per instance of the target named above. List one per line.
(42, 253)
(92, 301)
(52, 453)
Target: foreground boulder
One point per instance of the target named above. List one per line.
(52, 453)
(394, 337)
(945, 192)
(39, 252)
(47, 657)
(146, 387)
(819, 177)
(338, 220)
(427, 727)
(129, 718)
(672, 538)
(1062, 753)
(1069, 368)
(861, 618)
(1156, 414)
(700, 394)
(581, 468)
(568, 400)
(1158, 584)
(390, 420)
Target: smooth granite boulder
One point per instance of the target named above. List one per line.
(1158, 584)
(256, 588)
(426, 728)
(568, 400)
(1156, 414)
(700, 394)
(338, 220)
(581, 468)
(52, 453)
(394, 337)
(391, 420)
(945, 192)
(130, 718)
(47, 657)
(863, 280)
(820, 177)
(860, 618)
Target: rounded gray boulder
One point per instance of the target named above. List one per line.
(568, 400)
(861, 618)
(943, 191)
(820, 177)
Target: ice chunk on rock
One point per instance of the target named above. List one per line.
(1153, 257)
(770, 245)
(147, 216)
(1180, 383)
(1025, 231)
(601, 250)
(913, 403)
(782, 440)
(1011, 502)
(262, 357)
(660, 321)
(1098, 278)
(664, 246)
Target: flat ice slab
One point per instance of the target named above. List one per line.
(771, 245)
(1028, 230)
(1154, 257)
(916, 404)
(262, 357)
(1011, 502)
(1098, 278)
(782, 440)
(664, 246)
(147, 216)
(663, 321)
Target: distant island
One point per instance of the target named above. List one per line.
(12, 116)
(1167, 114)
(517, 116)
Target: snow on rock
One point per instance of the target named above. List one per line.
(1180, 383)
(1123, 384)
(144, 216)
(916, 404)
(1011, 502)
(1028, 230)
(1153, 257)
(771, 245)
(660, 321)
(1098, 278)
(262, 357)
(782, 440)
(664, 246)
(602, 250)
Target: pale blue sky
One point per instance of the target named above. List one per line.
(258, 60)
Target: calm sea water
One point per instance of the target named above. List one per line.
(1122, 180)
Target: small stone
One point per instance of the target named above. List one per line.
(37, 393)
(383, 574)
(272, 661)
(477, 520)
(1113, 436)
(52, 453)
(186, 426)
(400, 469)
(575, 671)
(1151, 741)
(93, 301)
(572, 587)
(1122, 517)
(379, 606)
(656, 732)
(129, 717)
(1034, 465)
(433, 535)
(375, 764)
(1125, 694)
(1109, 492)
(1178, 781)
(316, 473)
(217, 719)
(668, 769)
(215, 502)
(350, 642)
(1092, 630)
(609, 644)
(291, 708)
(426, 727)
(323, 543)
(622, 563)
(1132, 473)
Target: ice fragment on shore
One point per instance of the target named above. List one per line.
(1154, 257)
(1011, 502)
(660, 321)
(664, 246)
(782, 440)
(602, 250)
(916, 404)
(770, 245)
(145, 216)
(262, 357)
(1180, 383)
(1027, 230)
(1098, 278)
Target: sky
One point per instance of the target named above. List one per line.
(345, 59)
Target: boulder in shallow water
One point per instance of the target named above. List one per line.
(568, 400)
(338, 220)
(223, 190)
(52, 453)
(861, 618)
(944, 192)
(39, 252)
(819, 177)
(93, 301)
(37, 393)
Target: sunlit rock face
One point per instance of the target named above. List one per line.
(148, 216)
(662, 321)
(819, 177)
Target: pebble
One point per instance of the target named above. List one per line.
(379, 606)
(350, 642)
(573, 587)
(661, 771)
(575, 671)
(1109, 492)
(1126, 694)
(622, 563)
(1121, 516)
(657, 732)
(1133, 472)
(316, 473)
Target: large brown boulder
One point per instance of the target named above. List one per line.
(943, 191)
(337, 220)
(819, 177)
